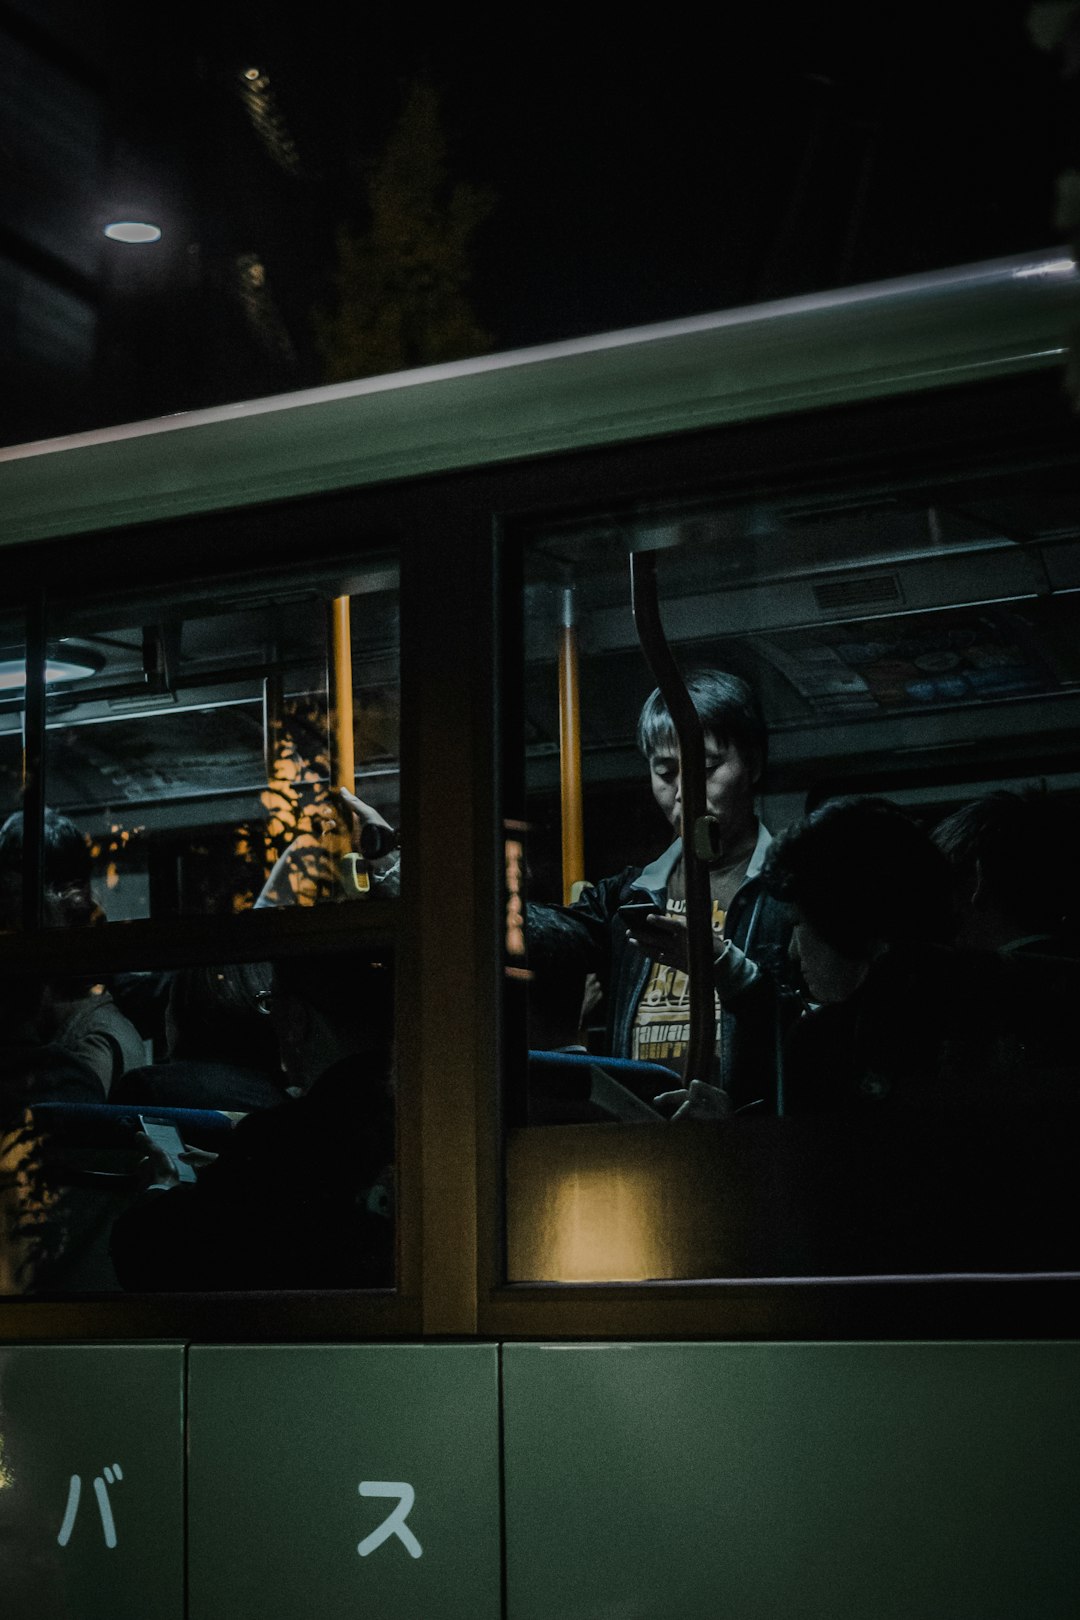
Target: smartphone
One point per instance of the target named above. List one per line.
(167, 1137)
(636, 912)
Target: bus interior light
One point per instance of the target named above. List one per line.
(132, 230)
(67, 662)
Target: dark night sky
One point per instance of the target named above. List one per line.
(677, 168)
(662, 167)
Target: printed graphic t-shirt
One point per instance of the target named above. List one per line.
(662, 1021)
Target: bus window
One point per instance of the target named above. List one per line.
(201, 756)
(220, 1127)
(881, 1067)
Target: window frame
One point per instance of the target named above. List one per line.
(736, 461)
(153, 554)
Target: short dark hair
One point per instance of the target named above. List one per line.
(217, 1015)
(862, 871)
(67, 863)
(1023, 846)
(557, 952)
(728, 708)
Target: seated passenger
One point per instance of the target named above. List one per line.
(66, 866)
(33, 1066)
(80, 1017)
(932, 1105)
(643, 977)
(221, 1048)
(871, 896)
(302, 1197)
(901, 1020)
(1017, 873)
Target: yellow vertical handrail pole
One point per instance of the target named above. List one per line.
(342, 758)
(573, 828)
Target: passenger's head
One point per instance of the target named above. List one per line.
(861, 877)
(1015, 868)
(736, 745)
(556, 952)
(214, 1014)
(325, 1008)
(66, 863)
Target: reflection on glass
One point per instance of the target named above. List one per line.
(892, 977)
(220, 760)
(12, 705)
(229, 1126)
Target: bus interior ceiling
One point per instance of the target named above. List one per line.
(190, 714)
(917, 642)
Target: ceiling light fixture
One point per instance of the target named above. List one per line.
(131, 230)
(66, 662)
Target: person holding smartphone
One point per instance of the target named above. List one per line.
(637, 919)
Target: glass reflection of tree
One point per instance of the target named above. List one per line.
(298, 807)
(31, 1229)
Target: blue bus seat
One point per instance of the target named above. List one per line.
(570, 1088)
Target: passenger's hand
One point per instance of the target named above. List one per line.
(698, 1100)
(662, 939)
(160, 1169)
(352, 814)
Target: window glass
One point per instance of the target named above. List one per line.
(889, 689)
(12, 699)
(12, 710)
(228, 1126)
(199, 755)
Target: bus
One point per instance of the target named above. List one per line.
(306, 704)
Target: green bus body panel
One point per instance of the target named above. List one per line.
(895, 1481)
(887, 338)
(813, 1481)
(111, 1546)
(281, 1439)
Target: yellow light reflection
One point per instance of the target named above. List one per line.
(599, 1229)
(27, 1206)
(7, 1478)
(623, 1203)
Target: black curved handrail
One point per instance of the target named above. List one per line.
(701, 1041)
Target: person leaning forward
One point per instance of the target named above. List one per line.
(642, 967)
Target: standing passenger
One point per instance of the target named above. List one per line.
(643, 976)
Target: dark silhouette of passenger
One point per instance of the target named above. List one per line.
(34, 1067)
(932, 1096)
(80, 1017)
(66, 865)
(302, 1197)
(222, 1051)
(872, 904)
(1016, 869)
